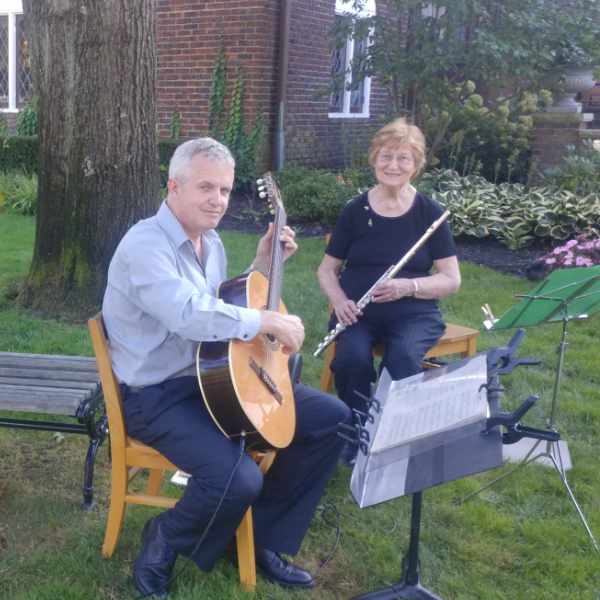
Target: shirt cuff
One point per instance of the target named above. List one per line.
(249, 325)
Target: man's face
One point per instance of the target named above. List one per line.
(199, 196)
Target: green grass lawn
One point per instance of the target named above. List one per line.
(519, 540)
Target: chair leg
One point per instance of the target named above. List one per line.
(154, 482)
(326, 373)
(245, 552)
(116, 511)
(267, 461)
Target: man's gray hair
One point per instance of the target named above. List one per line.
(206, 146)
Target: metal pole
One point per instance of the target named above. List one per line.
(284, 47)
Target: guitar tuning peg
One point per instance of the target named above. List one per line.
(260, 182)
(262, 194)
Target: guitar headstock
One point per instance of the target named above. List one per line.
(268, 188)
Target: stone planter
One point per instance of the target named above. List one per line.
(574, 80)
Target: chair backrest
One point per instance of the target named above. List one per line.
(110, 385)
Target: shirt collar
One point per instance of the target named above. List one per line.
(172, 227)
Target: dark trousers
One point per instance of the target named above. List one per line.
(283, 501)
(405, 340)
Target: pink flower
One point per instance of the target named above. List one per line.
(567, 262)
(557, 250)
(581, 261)
(571, 243)
(550, 261)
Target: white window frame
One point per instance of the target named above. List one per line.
(344, 7)
(12, 8)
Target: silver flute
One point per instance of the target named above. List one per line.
(389, 274)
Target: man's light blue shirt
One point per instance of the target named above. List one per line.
(160, 301)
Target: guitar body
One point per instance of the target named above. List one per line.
(246, 386)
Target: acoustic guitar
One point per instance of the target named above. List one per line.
(246, 386)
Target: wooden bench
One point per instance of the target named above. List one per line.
(67, 386)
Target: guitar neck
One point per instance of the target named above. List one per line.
(276, 271)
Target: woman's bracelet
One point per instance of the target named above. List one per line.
(416, 286)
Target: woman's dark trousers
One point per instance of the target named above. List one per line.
(405, 341)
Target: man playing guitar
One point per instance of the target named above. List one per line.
(160, 302)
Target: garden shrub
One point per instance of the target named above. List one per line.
(514, 214)
(166, 149)
(19, 153)
(579, 171)
(359, 178)
(27, 120)
(489, 138)
(18, 192)
(313, 195)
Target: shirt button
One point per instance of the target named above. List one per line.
(214, 337)
(245, 336)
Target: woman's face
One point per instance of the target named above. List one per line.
(395, 165)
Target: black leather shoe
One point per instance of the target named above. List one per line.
(279, 570)
(152, 568)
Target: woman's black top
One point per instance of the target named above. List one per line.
(370, 243)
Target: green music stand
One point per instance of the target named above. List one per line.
(565, 295)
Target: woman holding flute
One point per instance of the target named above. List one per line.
(374, 231)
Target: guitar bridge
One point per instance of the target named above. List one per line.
(266, 379)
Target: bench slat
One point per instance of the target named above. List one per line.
(52, 383)
(55, 374)
(56, 403)
(46, 361)
(6, 390)
(43, 383)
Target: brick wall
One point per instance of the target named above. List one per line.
(189, 34)
(312, 137)
(552, 133)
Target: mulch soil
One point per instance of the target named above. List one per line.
(490, 253)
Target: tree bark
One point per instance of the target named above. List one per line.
(93, 67)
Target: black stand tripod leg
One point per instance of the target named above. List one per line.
(409, 588)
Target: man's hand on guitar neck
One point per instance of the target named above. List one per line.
(262, 262)
(288, 330)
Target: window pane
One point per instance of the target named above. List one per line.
(3, 61)
(357, 98)
(23, 64)
(338, 67)
(357, 94)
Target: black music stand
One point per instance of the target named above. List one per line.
(565, 295)
(391, 464)
(410, 587)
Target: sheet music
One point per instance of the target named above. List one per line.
(419, 406)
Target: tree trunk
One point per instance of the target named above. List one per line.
(93, 66)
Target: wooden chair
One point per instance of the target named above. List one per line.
(130, 457)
